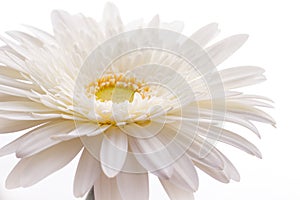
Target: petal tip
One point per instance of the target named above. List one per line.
(108, 171)
(242, 37)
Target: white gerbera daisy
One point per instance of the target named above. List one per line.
(135, 99)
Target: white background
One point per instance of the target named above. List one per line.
(274, 44)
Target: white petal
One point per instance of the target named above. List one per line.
(185, 175)
(88, 171)
(225, 48)
(247, 96)
(154, 23)
(16, 92)
(195, 146)
(33, 169)
(241, 76)
(113, 151)
(23, 106)
(8, 126)
(128, 184)
(230, 169)
(252, 102)
(61, 19)
(100, 129)
(82, 129)
(12, 82)
(249, 112)
(131, 165)
(10, 72)
(14, 178)
(241, 71)
(143, 132)
(205, 34)
(206, 154)
(237, 112)
(243, 122)
(106, 188)
(153, 156)
(25, 38)
(17, 48)
(40, 138)
(217, 174)
(228, 117)
(93, 144)
(9, 62)
(174, 192)
(12, 146)
(174, 82)
(112, 20)
(28, 116)
(41, 35)
(230, 138)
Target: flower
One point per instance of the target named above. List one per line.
(133, 99)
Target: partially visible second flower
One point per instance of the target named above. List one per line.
(149, 111)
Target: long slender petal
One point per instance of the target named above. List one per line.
(231, 138)
(205, 34)
(174, 192)
(225, 48)
(112, 20)
(40, 138)
(113, 151)
(9, 126)
(153, 156)
(88, 170)
(106, 188)
(26, 106)
(128, 184)
(185, 175)
(198, 148)
(241, 76)
(33, 169)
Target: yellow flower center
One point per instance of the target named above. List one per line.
(115, 93)
(117, 88)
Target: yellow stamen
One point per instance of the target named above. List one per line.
(117, 88)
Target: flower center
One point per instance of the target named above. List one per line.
(117, 88)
